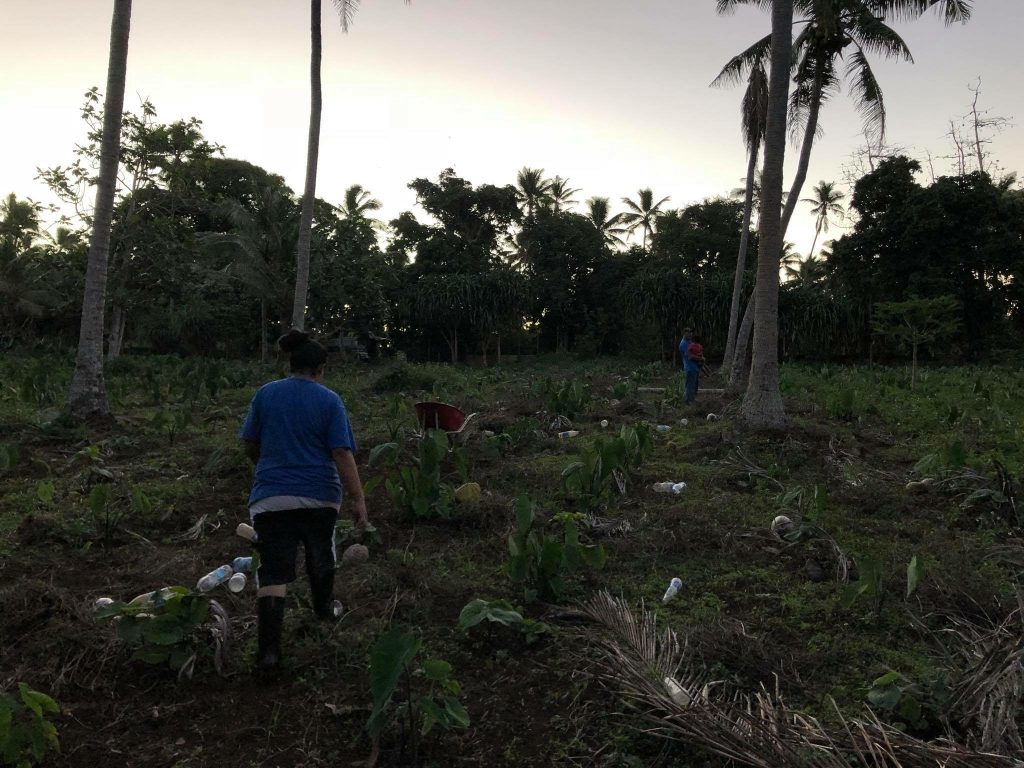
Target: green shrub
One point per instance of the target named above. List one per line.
(25, 733)
(541, 563)
(417, 489)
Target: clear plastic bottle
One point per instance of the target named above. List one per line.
(684, 422)
(214, 578)
(665, 487)
(678, 488)
(102, 602)
(247, 532)
(570, 433)
(673, 589)
(241, 564)
(604, 423)
(663, 428)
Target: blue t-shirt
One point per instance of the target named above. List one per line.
(689, 365)
(297, 423)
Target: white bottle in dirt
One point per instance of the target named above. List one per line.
(678, 488)
(214, 578)
(665, 487)
(673, 589)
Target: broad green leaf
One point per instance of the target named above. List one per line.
(26, 697)
(453, 707)
(383, 453)
(524, 513)
(887, 679)
(38, 702)
(388, 661)
(432, 714)
(886, 697)
(436, 669)
(99, 497)
(45, 491)
(594, 556)
(915, 569)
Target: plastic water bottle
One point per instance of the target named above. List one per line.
(237, 582)
(568, 434)
(684, 422)
(102, 602)
(712, 417)
(663, 428)
(214, 578)
(247, 532)
(241, 564)
(673, 589)
(678, 488)
(665, 487)
(604, 423)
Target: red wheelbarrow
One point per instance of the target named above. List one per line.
(446, 417)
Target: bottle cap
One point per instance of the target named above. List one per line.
(237, 582)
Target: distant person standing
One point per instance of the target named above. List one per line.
(298, 433)
(693, 357)
(683, 346)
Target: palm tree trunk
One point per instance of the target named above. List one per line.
(312, 156)
(115, 339)
(762, 405)
(739, 369)
(805, 152)
(814, 242)
(741, 259)
(88, 394)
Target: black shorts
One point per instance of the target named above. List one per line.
(280, 533)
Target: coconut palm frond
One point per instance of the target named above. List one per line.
(725, 7)
(952, 11)
(867, 95)
(346, 12)
(875, 36)
(653, 674)
(739, 66)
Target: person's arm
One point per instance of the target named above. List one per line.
(349, 474)
(252, 450)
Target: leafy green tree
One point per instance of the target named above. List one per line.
(917, 321)
(532, 189)
(700, 240)
(560, 194)
(825, 203)
(610, 227)
(88, 394)
(642, 213)
(358, 203)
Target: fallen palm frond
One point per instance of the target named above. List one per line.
(738, 461)
(656, 677)
(987, 695)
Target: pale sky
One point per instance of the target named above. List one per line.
(612, 95)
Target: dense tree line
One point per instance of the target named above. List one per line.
(202, 261)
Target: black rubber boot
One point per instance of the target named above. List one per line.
(322, 590)
(271, 622)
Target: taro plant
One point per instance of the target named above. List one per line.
(478, 611)
(417, 489)
(913, 706)
(542, 563)
(26, 735)
(172, 627)
(870, 583)
(604, 466)
(431, 693)
(172, 422)
(568, 398)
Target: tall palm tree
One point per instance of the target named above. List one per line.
(532, 189)
(753, 110)
(762, 404)
(824, 203)
(610, 227)
(87, 396)
(358, 203)
(560, 194)
(642, 213)
(346, 10)
(834, 31)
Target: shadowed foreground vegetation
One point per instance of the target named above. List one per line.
(755, 609)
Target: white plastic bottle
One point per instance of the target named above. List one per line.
(570, 433)
(237, 582)
(673, 589)
(247, 532)
(665, 487)
(663, 428)
(678, 488)
(214, 578)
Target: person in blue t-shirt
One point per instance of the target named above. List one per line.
(691, 367)
(298, 434)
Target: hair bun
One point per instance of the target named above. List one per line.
(292, 340)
